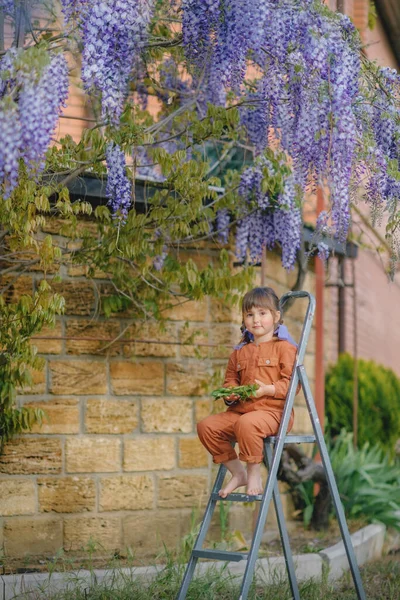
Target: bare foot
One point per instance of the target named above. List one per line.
(237, 480)
(254, 483)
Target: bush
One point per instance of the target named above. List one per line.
(368, 481)
(378, 401)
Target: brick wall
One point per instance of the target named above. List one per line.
(118, 459)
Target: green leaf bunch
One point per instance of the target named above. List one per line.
(245, 392)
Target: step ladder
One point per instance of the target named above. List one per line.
(273, 448)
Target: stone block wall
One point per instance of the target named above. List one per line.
(117, 459)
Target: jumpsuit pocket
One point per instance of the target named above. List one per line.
(268, 369)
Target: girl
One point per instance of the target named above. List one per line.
(265, 356)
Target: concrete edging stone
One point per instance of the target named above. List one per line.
(367, 544)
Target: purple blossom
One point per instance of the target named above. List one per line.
(10, 147)
(39, 107)
(113, 34)
(7, 6)
(29, 121)
(223, 223)
(119, 188)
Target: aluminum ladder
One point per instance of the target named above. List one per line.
(273, 448)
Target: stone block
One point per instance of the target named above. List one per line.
(61, 416)
(193, 336)
(66, 494)
(51, 345)
(111, 416)
(78, 377)
(167, 415)
(182, 491)
(202, 409)
(194, 310)
(104, 531)
(38, 384)
(126, 492)
(220, 312)
(147, 453)
(302, 422)
(187, 379)
(92, 455)
(79, 297)
(137, 378)
(24, 536)
(28, 456)
(17, 497)
(16, 287)
(225, 336)
(146, 534)
(153, 332)
(107, 330)
(192, 454)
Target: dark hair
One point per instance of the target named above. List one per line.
(263, 297)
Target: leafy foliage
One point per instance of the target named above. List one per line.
(378, 399)
(18, 322)
(368, 482)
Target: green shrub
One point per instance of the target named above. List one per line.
(368, 481)
(378, 401)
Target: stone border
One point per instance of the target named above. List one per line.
(367, 544)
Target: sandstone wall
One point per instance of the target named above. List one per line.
(117, 459)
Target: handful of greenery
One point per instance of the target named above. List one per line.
(243, 391)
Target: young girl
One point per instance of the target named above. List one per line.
(265, 356)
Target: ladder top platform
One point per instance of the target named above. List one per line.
(291, 439)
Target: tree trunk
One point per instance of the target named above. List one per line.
(296, 467)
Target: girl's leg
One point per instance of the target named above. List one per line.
(239, 477)
(250, 430)
(216, 433)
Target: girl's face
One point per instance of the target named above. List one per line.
(261, 322)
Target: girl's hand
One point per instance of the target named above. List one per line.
(232, 399)
(264, 389)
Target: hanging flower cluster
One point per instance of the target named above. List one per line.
(119, 188)
(7, 6)
(30, 102)
(305, 98)
(113, 33)
(380, 120)
(269, 218)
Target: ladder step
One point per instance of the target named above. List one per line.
(238, 498)
(292, 439)
(220, 555)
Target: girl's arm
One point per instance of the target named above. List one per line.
(232, 378)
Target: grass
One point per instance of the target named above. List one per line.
(381, 582)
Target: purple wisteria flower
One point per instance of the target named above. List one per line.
(10, 146)
(113, 34)
(31, 101)
(223, 222)
(7, 6)
(307, 96)
(119, 187)
(39, 107)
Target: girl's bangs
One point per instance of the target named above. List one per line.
(260, 298)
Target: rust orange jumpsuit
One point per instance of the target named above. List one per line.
(249, 422)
